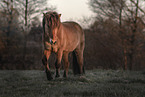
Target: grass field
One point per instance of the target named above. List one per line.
(96, 83)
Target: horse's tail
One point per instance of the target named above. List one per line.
(76, 67)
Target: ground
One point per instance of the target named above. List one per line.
(95, 83)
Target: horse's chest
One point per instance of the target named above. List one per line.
(54, 48)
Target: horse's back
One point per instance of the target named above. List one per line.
(73, 27)
(74, 33)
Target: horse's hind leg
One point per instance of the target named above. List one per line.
(45, 63)
(66, 64)
(80, 60)
(79, 54)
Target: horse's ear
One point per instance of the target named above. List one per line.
(59, 15)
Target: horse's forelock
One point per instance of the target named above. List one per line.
(52, 19)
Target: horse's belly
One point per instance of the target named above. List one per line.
(72, 45)
(69, 48)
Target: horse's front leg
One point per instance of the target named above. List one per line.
(58, 63)
(45, 63)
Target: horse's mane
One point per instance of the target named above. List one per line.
(52, 18)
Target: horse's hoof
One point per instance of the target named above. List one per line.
(64, 75)
(49, 78)
(48, 74)
(57, 76)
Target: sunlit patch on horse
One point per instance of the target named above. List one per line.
(62, 38)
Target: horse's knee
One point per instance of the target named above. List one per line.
(66, 65)
(57, 65)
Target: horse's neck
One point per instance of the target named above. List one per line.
(61, 33)
(60, 30)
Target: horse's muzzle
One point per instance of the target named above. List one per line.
(52, 42)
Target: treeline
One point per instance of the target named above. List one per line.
(119, 29)
(19, 30)
(114, 41)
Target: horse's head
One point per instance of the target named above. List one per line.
(51, 23)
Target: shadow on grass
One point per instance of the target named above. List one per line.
(127, 81)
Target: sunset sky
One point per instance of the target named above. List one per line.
(72, 9)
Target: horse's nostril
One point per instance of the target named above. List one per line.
(54, 42)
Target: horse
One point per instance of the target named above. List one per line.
(62, 38)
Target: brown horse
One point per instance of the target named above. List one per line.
(62, 38)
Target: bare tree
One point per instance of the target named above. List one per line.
(122, 12)
(21, 14)
(29, 10)
(8, 11)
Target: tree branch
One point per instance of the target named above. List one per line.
(138, 6)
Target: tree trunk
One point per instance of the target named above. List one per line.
(25, 32)
(132, 40)
(124, 66)
(10, 19)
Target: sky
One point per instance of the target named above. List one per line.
(71, 9)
